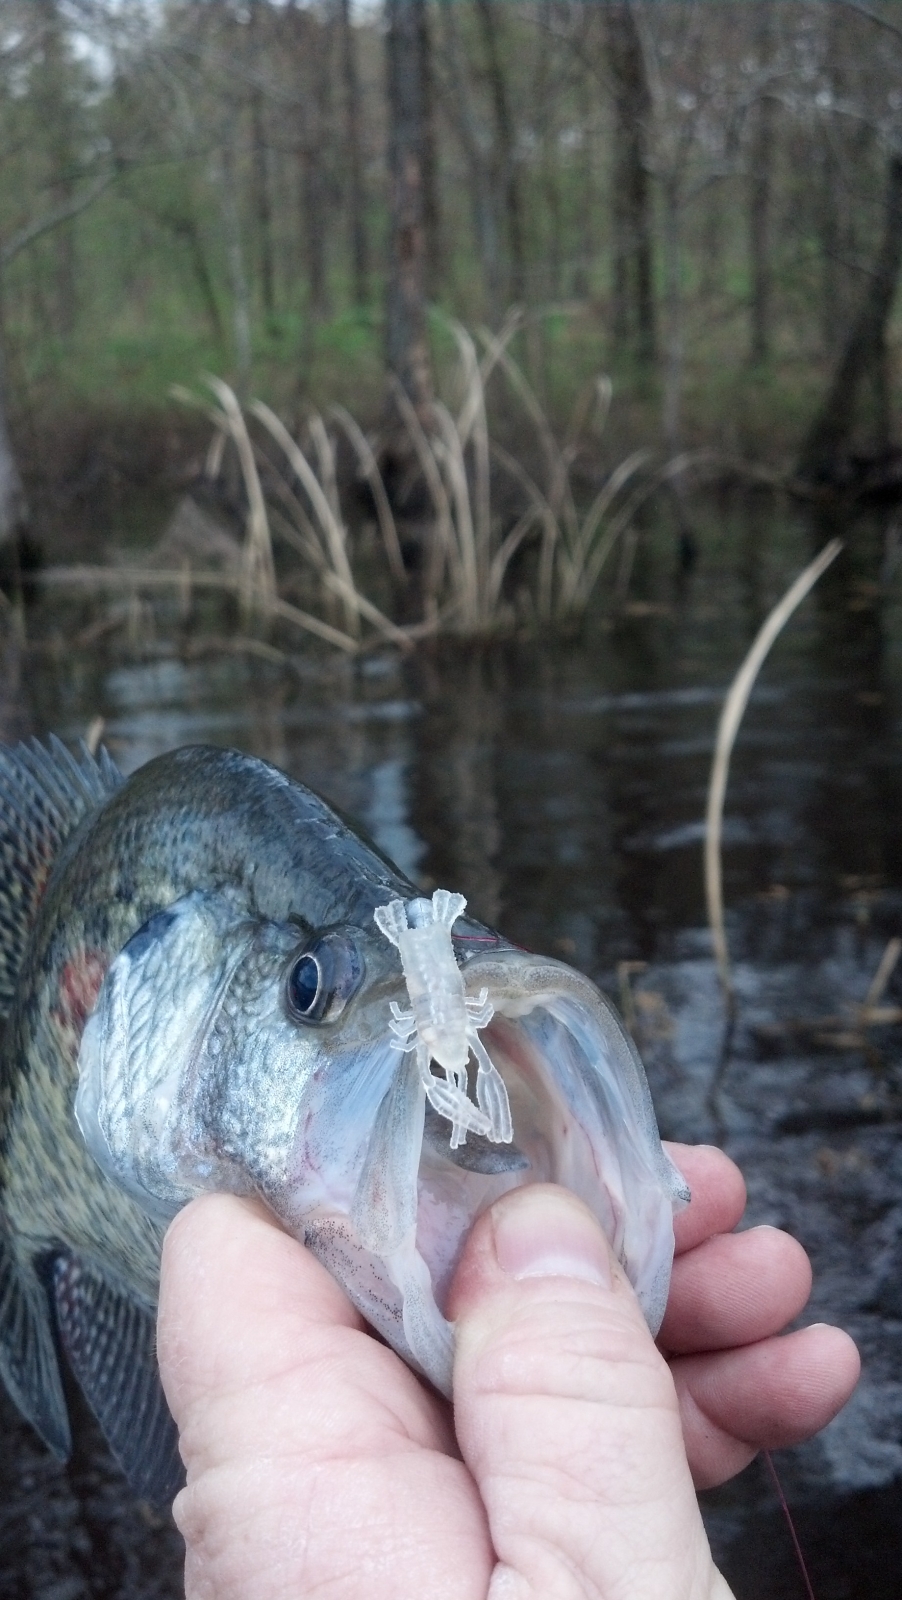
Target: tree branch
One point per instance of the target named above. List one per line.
(873, 16)
(52, 219)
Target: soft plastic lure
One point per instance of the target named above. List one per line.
(442, 1023)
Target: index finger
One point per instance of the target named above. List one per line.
(718, 1193)
(239, 1299)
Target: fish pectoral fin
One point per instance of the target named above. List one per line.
(110, 1342)
(28, 1359)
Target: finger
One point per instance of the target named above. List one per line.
(565, 1412)
(735, 1288)
(718, 1193)
(762, 1397)
(244, 1305)
(208, 1340)
(315, 1459)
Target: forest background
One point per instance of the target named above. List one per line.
(702, 200)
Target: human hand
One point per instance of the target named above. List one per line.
(318, 1464)
(741, 1389)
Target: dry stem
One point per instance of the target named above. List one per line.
(730, 718)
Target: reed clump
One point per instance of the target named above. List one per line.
(297, 541)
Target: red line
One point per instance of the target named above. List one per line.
(790, 1524)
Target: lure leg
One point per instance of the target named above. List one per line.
(404, 1028)
(491, 1093)
(451, 1102)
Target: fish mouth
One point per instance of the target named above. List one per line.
(582, 1117)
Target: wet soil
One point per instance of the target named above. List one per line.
(562, 790)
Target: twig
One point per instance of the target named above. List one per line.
(881, 978)
(53, 219)
(728, 727)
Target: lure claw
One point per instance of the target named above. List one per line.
(442, 1022)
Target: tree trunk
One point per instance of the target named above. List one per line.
(508, 176)
(760, 178)
(839, 183)
(431, 206)
(231, 227)
(13, 510)
(356, 190)
(634, 321)
(262, 206)
(407, 345)
(316, 42)
(260, 167)
(863, 357)
(186, 230)
(828, 231)
(56, 112)
(314, 229)
(673, 294)
(485, 226)
(548, 131)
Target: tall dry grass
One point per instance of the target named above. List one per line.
(296, 532)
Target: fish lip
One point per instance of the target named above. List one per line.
(494, 970)
(508, 972)
(597, 1083)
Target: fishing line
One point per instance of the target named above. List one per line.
(789, 1522)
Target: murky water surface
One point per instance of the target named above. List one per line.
(562, 790)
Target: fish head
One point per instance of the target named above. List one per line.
(260, 1058)
(216, 1040)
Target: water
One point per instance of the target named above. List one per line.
(562, 790)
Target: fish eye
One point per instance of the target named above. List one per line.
(322, 978)
(304, 983)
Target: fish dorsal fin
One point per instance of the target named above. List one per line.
(28, 1359)
(44, 793)
(110, 1342)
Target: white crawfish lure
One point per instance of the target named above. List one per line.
(442, 1023)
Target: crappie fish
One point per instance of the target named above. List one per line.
(210, 981)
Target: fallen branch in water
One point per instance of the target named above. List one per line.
(135, 578)
(847, 1031)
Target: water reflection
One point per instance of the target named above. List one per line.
(386, 816)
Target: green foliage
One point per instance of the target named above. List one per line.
(209, 105)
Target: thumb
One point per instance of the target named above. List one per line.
(567, 1415)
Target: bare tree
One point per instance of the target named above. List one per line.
(312, 51)
(507, 175)
(407, 344)
(760, 203)
(260, 155)
(53, 89)
(13, 509)
(864, 354)
(354, 137)
(470, 128)
(634, 321)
